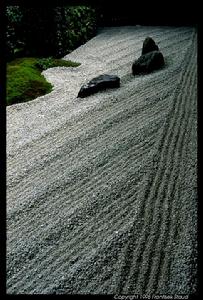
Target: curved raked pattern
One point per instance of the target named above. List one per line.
(101, 192)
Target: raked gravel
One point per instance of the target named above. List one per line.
(102, 191)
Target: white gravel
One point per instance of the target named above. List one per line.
(101, 191)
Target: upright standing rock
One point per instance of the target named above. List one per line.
(148, 62)
(149, 45)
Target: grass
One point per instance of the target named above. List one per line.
(25, 81)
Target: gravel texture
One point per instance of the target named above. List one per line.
(102, 191)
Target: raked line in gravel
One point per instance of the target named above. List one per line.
(102, 191)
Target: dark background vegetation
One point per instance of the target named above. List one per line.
(52, 30)
(47, 31)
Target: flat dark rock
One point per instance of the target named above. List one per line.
(148, 62)
(99, 83)
(149, 45)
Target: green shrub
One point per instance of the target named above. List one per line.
(15, 41)
(48, 31)
(39, 30)
(74, 26)
(45, 63)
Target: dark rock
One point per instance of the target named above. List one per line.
(148, 62)
(99, 83)
(149, 45)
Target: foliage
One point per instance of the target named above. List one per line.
(74, 26)
(48, 31)
(25, 81)
(14, 38)
(39, 31)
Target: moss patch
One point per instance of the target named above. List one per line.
(25, 81)
(45, 63)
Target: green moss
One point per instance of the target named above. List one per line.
(45, 63)
(25, 81)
